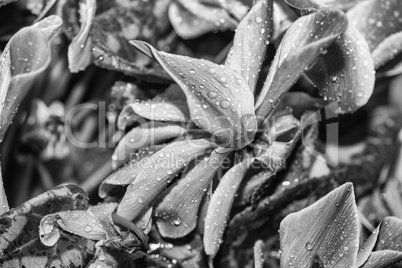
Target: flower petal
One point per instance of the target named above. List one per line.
(251, 41)
(177, 213)
(218, 98)
(220, 206)
(147, 134)
(80, 49)
(154, 178)
(328, 229)
(345, 74)
(300, 47)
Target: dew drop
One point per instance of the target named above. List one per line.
(224, 104)
(177, 221)
(258, 19)
(140, 200)
(309, 246)
(211, 95)
(87, 228)
(191, 71)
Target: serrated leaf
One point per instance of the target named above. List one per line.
(80, 49)
(301, 45)
(26, 56)
(156, 176)
(177, 213)
(147, 134)
(345, 74)
(250, 42)
(329, 229)
(220, 206)
(191, 19)
(19, 239)
(218, 98)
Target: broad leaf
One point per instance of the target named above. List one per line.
(191, 19)
(147, 134)
(19, 239)
(26, 56)
(219, 99)
(317, 4)
(80, 49)
(305, 40)
(220, 206)
(177, 213)
(345, 74)
(388, 249)
(328, 229)
(251, 41)
(158, 173)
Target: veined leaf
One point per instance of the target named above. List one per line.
(80, 49)
(26, 56)
(305, 40)
(19, 239)
(177, 213)
(220, 206)
(156, 176)
(191, 19)
(250, 42)
(328, 229)
(219, 99)
(388, 249)
(147, 134)
(345, 74)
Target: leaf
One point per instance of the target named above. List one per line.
(367, 247)
(147, 134)
(301, 45)
(220, 206)
(4, 207)
(156, 176)
(19, 239)
(388, 50)
(388, 249)
(236, 8)
(80, 49)
(317, 4)
(25, 57)
(329, 229)
(191, 19)
(259, 254)
(177, 213)
(251, 41)
(345, 74)
(218, 98)
(126, 175)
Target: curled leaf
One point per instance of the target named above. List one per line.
(156, 176)
(220, 206)
(305, 40)
(345, 74)
(219, 99)
(328, 229)
(251, 41)
(177, 213)
(26, 56)
(80, 49)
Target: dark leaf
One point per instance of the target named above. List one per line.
(305, 40)
(19, 241)
(218, 98)
(329, 229)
